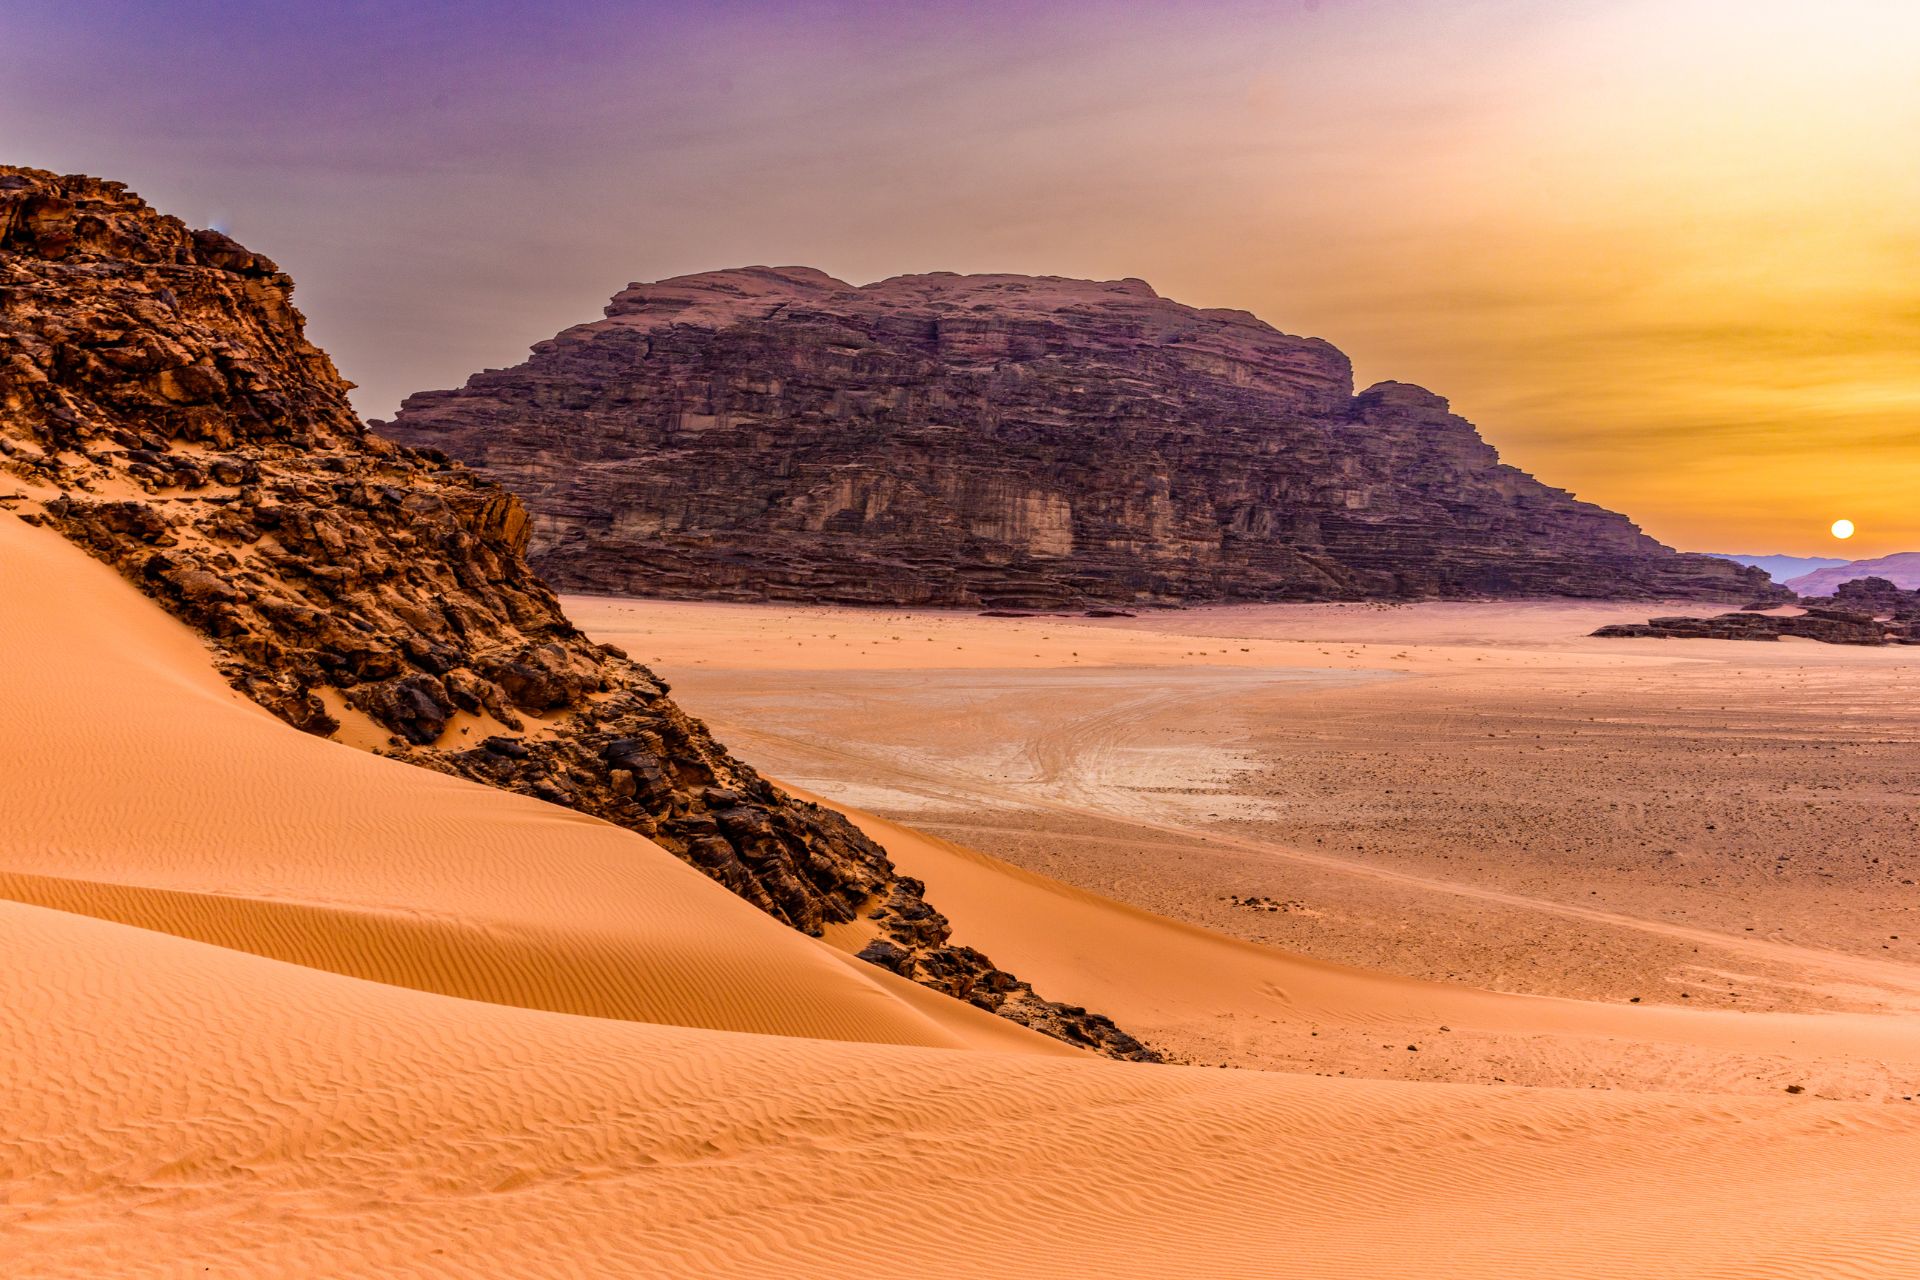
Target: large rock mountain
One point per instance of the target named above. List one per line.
(161, 406)
(1007, 440)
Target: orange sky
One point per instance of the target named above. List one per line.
(1669, 257)
(1663, 253)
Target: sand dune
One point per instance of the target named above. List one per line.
(142, 789)
(273, 1007)
(184, 1106)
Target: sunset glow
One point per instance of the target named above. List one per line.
(1660, 252)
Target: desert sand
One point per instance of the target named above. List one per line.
(1478, 795)
(278, 1007)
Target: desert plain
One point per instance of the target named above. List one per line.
(1480, 796)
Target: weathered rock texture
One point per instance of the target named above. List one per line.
(160, 406)
(1007, 441)
(1879, 597)
(1868, 611)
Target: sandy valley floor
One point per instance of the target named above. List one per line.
(1475, 794)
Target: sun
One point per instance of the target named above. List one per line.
(1843, 528)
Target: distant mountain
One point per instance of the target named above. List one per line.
(1780, 568)
(1902, 569)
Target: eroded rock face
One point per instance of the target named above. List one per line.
(160, 405)
(1007, 441)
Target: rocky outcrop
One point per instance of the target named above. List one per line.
(1011, 442)
(1879, 597)
(161, 406)
(1870, 611)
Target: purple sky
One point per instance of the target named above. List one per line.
(451, 182)
(1660, 250)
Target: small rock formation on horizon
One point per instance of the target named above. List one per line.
(1007, 441)
(1902, 569)
(161, 407)
(1865, 611)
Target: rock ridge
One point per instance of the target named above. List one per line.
(161, 406)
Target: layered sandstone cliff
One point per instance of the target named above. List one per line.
(161, 406)
(1007, 441)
